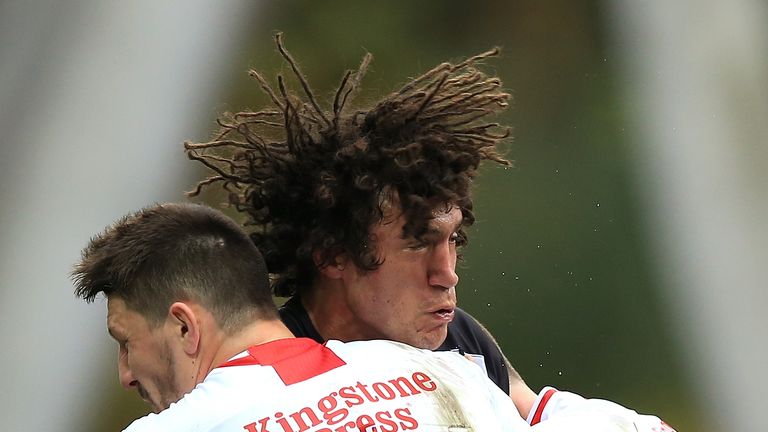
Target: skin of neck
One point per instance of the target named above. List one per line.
(327, 307)
(216, 346)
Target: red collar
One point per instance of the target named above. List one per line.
(294, 359)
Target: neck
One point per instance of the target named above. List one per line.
(330, 313)
(222, 347)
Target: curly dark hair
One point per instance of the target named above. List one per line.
(317, 181)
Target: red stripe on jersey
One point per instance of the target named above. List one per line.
(666, 428)
(294, 359)
(543, 403)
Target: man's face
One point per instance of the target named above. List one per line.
(411, 297)
(146, 360)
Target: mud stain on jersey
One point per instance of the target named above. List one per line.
(450, 411)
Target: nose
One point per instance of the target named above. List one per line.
(124, 373)
(442, 267)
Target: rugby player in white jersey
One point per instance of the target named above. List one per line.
(200, 340)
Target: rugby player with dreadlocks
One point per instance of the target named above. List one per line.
(360, 213)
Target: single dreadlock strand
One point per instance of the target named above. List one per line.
(267, 89)
(358, 78)
(431, 95)
(362, 69)
(484, 129)
(224, 124)
(233, 164)
(286, 116)
(307, 115)
(265, 113)
(287, 56)
(292, 116)
(416, 95)
(257, 121)
(255, 140)
(337, 97)
(214, 144)
(205, 161)
(463, 116)
(199, 188)
(476, 137)
(429, 74)
(490, 53)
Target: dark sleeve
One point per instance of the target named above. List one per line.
(295, 317)
(468, 336)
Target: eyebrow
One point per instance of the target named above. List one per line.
(433, 231)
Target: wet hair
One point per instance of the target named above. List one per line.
(178, 252)
(314, 181)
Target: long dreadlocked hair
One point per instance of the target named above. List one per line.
(311, 180)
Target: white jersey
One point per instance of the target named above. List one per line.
(293, 385)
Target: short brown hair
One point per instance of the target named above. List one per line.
(175, 252)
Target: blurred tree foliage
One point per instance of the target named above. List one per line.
(557, 266)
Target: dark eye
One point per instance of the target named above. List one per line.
(417, 244)
(458, 238)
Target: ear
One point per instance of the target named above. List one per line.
(334, 269)
(185, 326)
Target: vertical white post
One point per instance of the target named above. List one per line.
(696, 80)
(96, 98)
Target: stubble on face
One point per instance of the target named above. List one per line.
(168, 390)
(398, 301)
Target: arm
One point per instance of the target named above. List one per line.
(556, 411)
(522, 395)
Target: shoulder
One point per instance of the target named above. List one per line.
(222, 394)
(468, 336)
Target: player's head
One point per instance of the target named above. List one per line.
(317, 184)
(164, 270)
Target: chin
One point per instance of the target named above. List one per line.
(432, 340)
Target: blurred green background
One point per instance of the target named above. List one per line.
(557, 266)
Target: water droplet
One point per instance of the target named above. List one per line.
(541, 364)
(560, 373)
(503, 273)
(597, 204)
